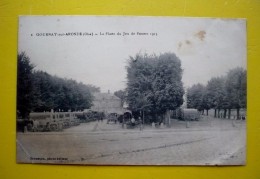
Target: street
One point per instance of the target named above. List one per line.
(205, 142)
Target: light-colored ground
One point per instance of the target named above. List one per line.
(207, 142)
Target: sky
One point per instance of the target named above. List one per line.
(207, 47)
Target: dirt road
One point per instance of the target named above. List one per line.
(210, 143)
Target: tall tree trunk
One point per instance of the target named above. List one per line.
(218, 113)
(215, 114)
(229, 113)
(168, 118)
(225, 113)
(143, 118)
(238, 115)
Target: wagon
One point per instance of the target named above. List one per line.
(112, 117)
(125, 117)
(45, 121)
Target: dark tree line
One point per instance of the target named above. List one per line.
(154, 84)
(220, 93)
(39, 91)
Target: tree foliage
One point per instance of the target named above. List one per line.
(228, 92)
(216, 92)
(51, 92)
(236, 90)
(39, 91)
(236, 87)
(195, 96)
(154, 83)
(24, 84)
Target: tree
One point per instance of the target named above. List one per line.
(195, 97)
(167, 83)
(221, 93)
(39, 91)
(154, 83)
(206, 101)
(24, 84)
(216, 94)
(236, 88)
(51, 92)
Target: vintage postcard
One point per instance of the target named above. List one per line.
(129, 90)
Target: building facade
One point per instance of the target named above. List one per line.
(107, 103)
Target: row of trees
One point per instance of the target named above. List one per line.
(154, 84)
(220, 93)
(39, 91)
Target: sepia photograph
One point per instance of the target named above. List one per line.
(131, 90)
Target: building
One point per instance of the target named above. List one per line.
(107, 103)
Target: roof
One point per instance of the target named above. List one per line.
(105, 96)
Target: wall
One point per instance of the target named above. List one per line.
(107, 103)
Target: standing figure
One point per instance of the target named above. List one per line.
(140, 123)
(133, 121)
(35, 125)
